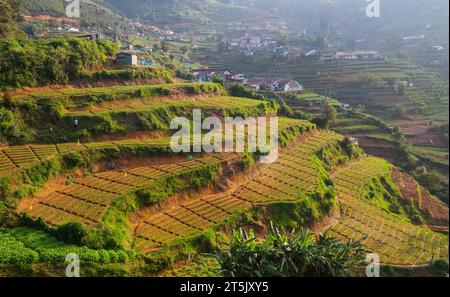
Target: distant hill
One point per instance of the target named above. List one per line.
(343, 17)
(91, 10)
(167, 12)
(173, 11)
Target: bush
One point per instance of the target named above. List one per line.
(72, 232)
(238, 90)
(12, 129)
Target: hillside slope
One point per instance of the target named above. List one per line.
(174, 11)
(91, 10)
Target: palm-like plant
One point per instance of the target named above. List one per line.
(284, 253)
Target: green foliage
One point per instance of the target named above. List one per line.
(294, 215)
(201, 266)
(286, 110)
(9, 18)
(383, 192)
(161, 259)
(289, 255)
(351, 149)
(29, 63)
(331, 156)
(441, 267)
(329, 115)
(290, 133)
(43, 117)
(12, 128)
(195, 11)
(27, 246)
(35, 177)
(239, 90)
(194, 179)
(141, 74)
(211, 89)
(72, 232)
(435, 182)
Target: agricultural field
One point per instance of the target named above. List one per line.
(433, 154)
(124, 92)
(373, 135)
(27, 246)
(291, 178)
(148, 211)
(371, 84)
(19, 158)
(218, 138)
(87, 200)
(71, 114)
(397, 241)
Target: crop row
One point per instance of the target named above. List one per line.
(86, 200)
(19, 157)
(187, 220)
(98, 91)
(26, 246)
(210, 102)
(291, 176)
(397, 241)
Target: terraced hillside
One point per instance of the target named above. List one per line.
(14, 159)
(120, 198)
(397, 241)
(63, 115)
(292, 178)
(88, 199)
(368, 83)
(373, 135)
(297, 186)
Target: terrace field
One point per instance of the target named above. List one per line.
(128, 199)
(296, 174)
(397, 241)
(367, 83)
(50, 117)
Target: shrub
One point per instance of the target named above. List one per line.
(72, 232)
(238, 90)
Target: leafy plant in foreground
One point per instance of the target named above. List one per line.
(290, 254)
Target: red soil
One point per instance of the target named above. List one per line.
(434, 211)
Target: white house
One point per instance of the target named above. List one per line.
(287, 85)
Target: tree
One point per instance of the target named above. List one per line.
(329, 112)
(218, 80)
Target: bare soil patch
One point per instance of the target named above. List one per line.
(435, 212)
